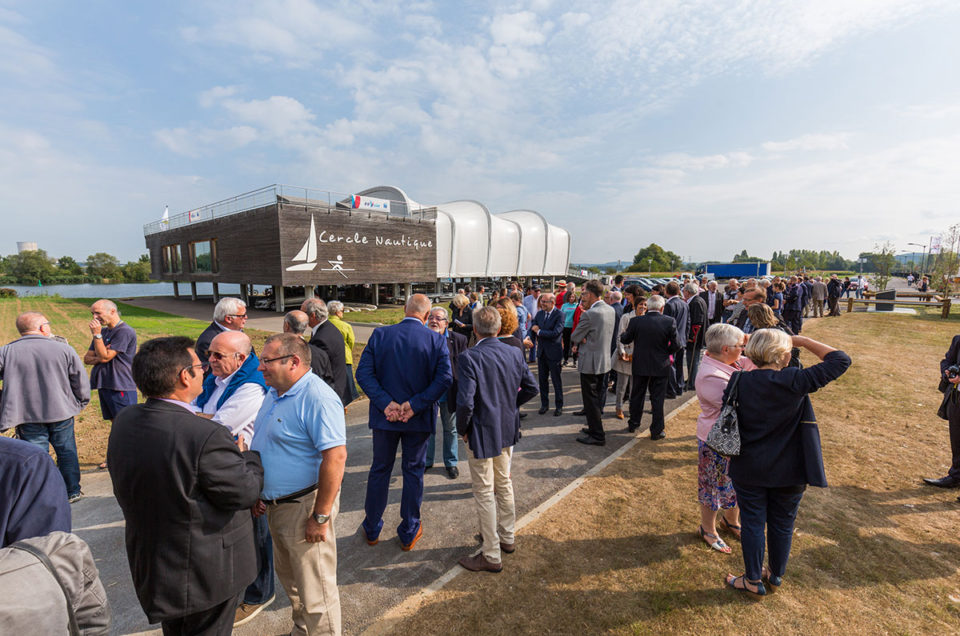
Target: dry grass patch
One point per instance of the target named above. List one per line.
(876, 552)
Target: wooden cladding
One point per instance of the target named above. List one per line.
(295, 244)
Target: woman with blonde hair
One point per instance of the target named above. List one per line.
(461, 316)
(779, 449)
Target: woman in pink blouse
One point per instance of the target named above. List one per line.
(723, 357)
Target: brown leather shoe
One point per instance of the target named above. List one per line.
(509, 548)
(406, 547)
(479, 563)
(368, 539)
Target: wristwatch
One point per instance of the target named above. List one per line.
(319, 518)
(98, 336)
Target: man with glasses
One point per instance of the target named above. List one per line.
(232, 396)
(456, 344)
(301, 437)
(111, 353)
(185, 489)
(230, 314)
(44, 387)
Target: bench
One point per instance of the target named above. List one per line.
(942, 303)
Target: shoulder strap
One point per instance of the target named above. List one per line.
(43, 558)
(733, 397)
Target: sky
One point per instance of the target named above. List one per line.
(706, 127)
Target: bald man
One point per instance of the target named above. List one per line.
(111, 353)
(232, 395)
(44, 387)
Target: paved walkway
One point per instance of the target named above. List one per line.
(374, 579)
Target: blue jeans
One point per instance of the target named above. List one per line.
(775, 508)
(60, 436)
(448, 422)
(261, 589)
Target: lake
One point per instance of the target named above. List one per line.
(125, 290)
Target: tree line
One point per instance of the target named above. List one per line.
(37, 267)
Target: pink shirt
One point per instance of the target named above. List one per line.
(712, 379)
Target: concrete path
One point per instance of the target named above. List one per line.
(374, 579)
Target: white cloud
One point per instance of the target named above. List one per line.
(22, 58)
(216, 94)
(809, 142)
(197, 141)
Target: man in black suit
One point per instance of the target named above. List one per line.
(695, 332)
(327, 337)
(547, 330)
(678, 310)
(655, 337)
(230, 314)
(185, 489)
(456, 344)
(947, 383)
(296, 322)
(713, 297)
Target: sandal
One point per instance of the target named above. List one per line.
(717, 545)
(729, 526)
(731, 581)
(766, 576)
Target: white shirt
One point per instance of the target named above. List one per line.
(240, 409)
(711, 302)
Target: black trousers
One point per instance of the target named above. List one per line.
(658, 393)
(567, 345)
(216, 621)
(676, 381)
(834, 308)
(593, 389)
(953, 415)
(546, 371)
(793, 319)
(693, 364)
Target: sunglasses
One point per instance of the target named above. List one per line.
(216, 355)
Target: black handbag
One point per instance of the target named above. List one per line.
(724, 436)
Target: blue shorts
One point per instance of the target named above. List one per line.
(112, 402)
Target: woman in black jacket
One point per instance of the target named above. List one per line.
(779, 449)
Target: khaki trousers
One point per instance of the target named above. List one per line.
(493, 492)
(817, 308)
(307, 571)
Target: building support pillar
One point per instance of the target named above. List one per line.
(553, 283)
(407, 291)
(396, 291)
(280, 301)
(244, 294)
(216, 293)
(176, 289)
(193, 290)
(376, 294)
(307, 292)
(439, 287)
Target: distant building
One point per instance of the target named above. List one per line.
(26, 246)
(287, 236)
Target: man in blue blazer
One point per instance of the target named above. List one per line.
(404, 370)
(546, 334)
(493, 381)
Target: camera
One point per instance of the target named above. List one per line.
(953, 371)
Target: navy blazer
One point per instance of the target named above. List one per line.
(779, 438)
(656, 339)
(456, 344)
(549, 339)
(406, 362)
(677, 309)
(494, 380)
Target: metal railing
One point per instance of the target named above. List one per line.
(262, 197)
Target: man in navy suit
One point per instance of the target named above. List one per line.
(678, 310)
(493, 382)
(456, 344)
(656, 339)
(404, 370)
(547, 333)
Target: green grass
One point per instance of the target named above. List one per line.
(383, 316)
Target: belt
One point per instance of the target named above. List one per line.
(292, 497)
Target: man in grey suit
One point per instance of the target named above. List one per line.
(592, 338)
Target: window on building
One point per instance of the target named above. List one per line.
(172, 263)
(204, 256)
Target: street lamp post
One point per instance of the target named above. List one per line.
(923, 267)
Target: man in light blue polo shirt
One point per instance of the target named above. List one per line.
(301, 436)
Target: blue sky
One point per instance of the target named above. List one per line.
(707, 127)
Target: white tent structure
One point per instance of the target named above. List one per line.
(473, 243)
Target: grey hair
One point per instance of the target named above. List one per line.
(616, 296)
(439, 308)
(317, 308)
(335, 306)
(227, 307)
(486, 321)
(297, 324)
(722, 335)
(691, 288)
(655, 302)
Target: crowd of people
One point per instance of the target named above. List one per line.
(229, 473)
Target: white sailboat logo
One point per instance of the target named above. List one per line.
(307, 253)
